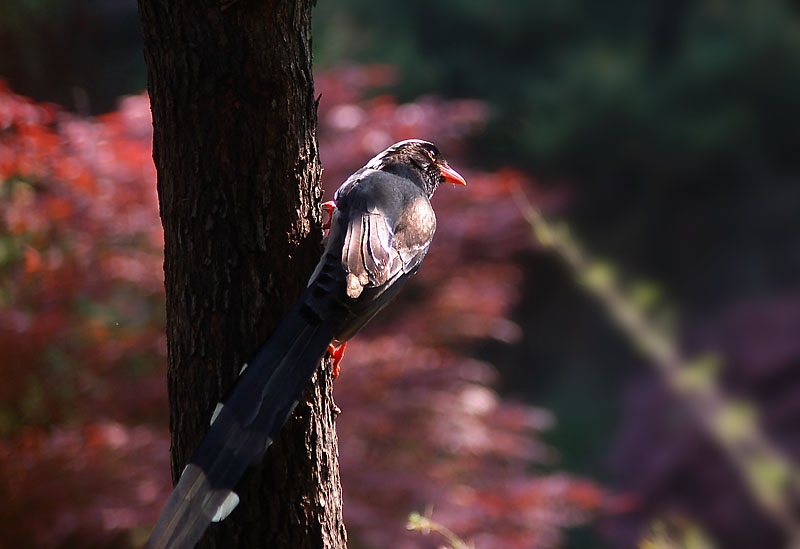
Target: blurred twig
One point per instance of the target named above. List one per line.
(425, 525)
(771, 477)
(675, 533)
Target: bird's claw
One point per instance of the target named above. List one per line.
(337, 354)
(329, 207)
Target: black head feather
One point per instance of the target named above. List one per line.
(418, 160)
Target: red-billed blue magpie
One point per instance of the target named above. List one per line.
(381, 227)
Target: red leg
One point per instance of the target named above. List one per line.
(337, 354)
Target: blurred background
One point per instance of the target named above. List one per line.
(602, 349)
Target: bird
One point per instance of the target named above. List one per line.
(381, 227)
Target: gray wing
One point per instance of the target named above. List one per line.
(374, 254)
(367, 252)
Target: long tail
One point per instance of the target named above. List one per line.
(243, 427)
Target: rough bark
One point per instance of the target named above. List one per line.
(234, 121)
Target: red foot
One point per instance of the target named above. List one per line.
(337, 354)
(329, 208)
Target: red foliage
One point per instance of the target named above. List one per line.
(83, 404)
(83, 437)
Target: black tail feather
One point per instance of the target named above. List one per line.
(242, 429)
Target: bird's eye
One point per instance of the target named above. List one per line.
(431, 154)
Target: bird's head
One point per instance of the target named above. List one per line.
(418, 160)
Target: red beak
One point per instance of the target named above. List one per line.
(450, 175)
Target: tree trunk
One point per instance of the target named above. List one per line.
(234, 120)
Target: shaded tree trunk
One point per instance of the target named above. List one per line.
(234, 121)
